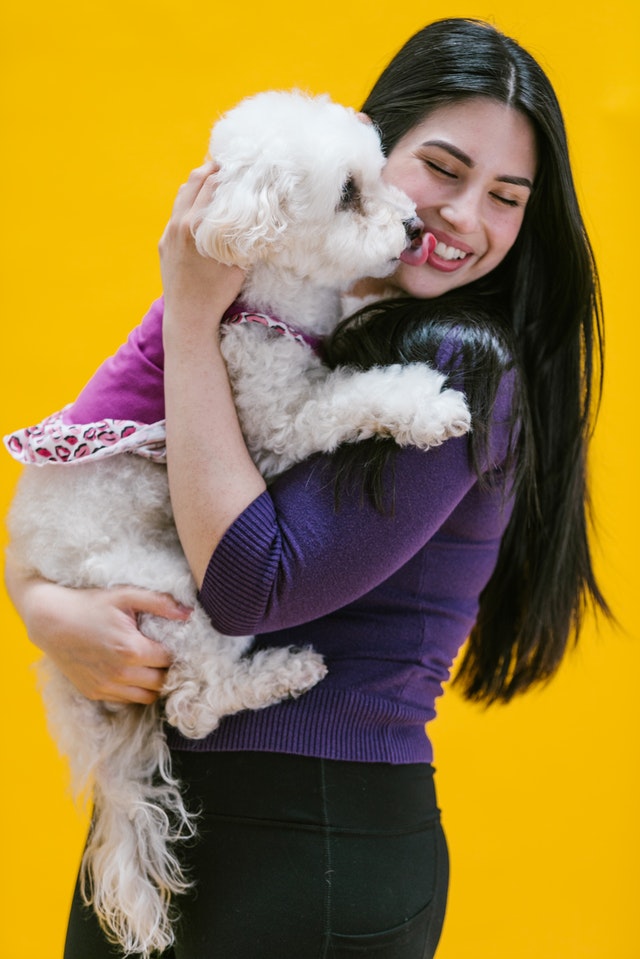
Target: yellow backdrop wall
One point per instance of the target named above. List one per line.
(105, 108)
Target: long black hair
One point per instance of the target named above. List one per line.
(545, 313)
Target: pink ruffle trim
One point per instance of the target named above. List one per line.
(54, 441)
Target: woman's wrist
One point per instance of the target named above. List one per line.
(189, 325)
(25, 591)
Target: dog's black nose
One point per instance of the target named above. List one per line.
(414, 228)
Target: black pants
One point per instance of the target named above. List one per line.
(302, 858)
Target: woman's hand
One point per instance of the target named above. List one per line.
(92, 635)
(196, 288)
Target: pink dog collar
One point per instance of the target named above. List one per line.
(238, 312)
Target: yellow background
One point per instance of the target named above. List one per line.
(106, 107)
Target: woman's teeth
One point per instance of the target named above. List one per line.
(449, 252)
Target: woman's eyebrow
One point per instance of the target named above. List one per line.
(516, 180)
(453, 150)
(464, 158)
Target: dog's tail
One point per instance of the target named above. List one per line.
(130, 870)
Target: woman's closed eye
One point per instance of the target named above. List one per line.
(437, 168)
(507, 200)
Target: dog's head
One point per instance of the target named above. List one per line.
(299, 186)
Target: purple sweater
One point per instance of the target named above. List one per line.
(387, 600)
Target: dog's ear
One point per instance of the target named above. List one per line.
(248, 213)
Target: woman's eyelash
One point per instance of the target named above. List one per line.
(439, 169)
(506, 200)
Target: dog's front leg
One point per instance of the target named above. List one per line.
(408, 403)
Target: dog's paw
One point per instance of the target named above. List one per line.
(276, 674)
(192, 710)
(197, 722)
(438, 420)
(305, 669)
(457, 415)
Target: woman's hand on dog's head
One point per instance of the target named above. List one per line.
(196, 288)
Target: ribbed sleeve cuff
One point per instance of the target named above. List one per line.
(239, 580)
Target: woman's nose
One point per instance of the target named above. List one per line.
(462, 212)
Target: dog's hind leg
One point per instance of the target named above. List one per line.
(219, 678)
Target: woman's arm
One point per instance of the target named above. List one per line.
(92, 634)
(211, 475)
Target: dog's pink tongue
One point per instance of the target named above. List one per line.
(419, 251)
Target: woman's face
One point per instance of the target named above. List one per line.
(469, 168)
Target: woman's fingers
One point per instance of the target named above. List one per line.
(181, 222)
(189, 191)
(197, 288)
(136, 685)
(135, 600)
(194, 196)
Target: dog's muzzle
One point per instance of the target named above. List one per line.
(414, 228)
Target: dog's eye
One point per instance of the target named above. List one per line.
(349, 195)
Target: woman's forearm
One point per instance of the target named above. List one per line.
(28, 594)
(211, 475)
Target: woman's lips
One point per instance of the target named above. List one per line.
(445, 266)
(445, 256)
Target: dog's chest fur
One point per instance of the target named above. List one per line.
(271, 377)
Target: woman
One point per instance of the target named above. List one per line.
(320, 833)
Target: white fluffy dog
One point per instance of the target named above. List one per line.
(301, 205)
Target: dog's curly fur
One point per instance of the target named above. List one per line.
(301, 205)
